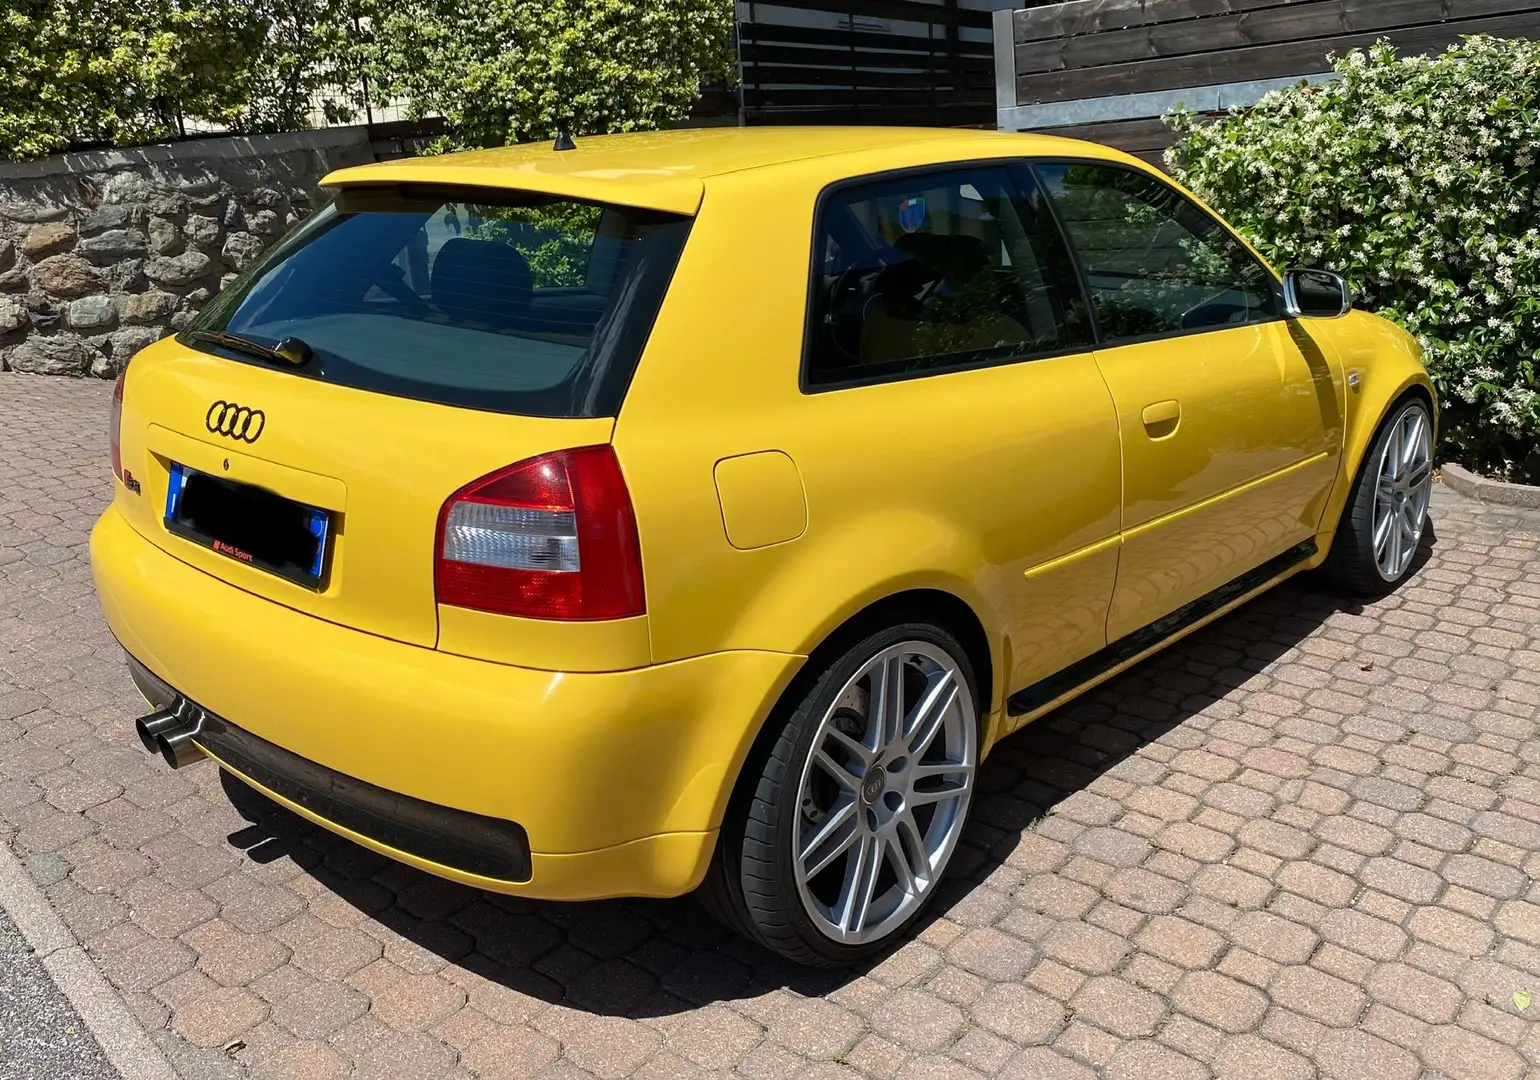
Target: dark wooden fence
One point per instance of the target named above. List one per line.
(1108, 69)
(932, 63)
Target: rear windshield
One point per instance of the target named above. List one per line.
(509, 303)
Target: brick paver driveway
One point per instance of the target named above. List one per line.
(1301, 843)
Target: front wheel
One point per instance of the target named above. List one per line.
(859, 804)
(1387, 510)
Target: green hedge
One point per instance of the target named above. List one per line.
(120, 72)
(1416, 178)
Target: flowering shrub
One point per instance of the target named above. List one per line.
(1415, 178)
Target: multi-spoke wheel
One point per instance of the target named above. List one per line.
(860, 804)
(1387, 510)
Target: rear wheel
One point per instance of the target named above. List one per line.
(859, 804)
(1387, 511)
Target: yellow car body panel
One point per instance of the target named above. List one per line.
(1065, 501)
(1227, 459)
(584, 762)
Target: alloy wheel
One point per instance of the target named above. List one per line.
(1403, 486)
(884, 792)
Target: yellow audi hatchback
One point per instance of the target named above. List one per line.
(695, 510)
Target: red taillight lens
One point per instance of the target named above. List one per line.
(553, 537)
(115, 425)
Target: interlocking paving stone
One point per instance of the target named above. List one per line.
(1300, 844)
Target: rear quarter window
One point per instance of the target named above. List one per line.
(488, 300)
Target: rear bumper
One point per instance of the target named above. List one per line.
(619, 780)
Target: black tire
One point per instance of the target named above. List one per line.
(1351, 565)
(751, 886)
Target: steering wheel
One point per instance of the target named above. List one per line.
(849, 297)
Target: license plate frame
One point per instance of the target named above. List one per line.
(317, 523)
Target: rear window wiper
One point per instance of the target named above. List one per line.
(290, 352)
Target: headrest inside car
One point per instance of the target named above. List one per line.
(482, 281)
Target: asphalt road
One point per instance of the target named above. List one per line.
(41, 1035)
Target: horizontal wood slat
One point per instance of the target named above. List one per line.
(929, 115)
(1255, 62)
(1094, 16)
(1298, 21)
(1145, 136)
(761, 56)
(844, 98)
(774, 33)
(902, 80)
(898, 10)
(922, 68)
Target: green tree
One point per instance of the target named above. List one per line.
(89, 71)
(310, 58)
(132, 71)
(504, 71)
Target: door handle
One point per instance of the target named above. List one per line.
(1161, 418)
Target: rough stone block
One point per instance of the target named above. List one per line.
(111, 217)
(129, 340)
(178, 269)
(67, 276)
(114, 244)
(43, 312)
(264, 222)
(55, 236)
(12, 316)
(241, 250)
(165, 237)
(146, 306)
(125, 275)
(64, 354)
(167, 203)
(31, 212)
(201, 230)
(90, 312)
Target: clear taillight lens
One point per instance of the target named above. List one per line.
(553, 537)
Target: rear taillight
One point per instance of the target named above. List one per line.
(553, 537)
(115, 425)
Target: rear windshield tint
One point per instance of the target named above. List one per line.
(508, 303)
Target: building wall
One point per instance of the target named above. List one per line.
(102, 253)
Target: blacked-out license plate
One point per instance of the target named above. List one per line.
(249, 524)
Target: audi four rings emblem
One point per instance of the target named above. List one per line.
(235, 421)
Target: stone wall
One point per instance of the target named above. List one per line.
(102, 253)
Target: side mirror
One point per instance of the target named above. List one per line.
(1315, 294)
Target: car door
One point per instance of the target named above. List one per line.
(1230, 428)
(951, 378)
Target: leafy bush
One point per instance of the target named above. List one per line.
(132, 71)
(503, 71)
(1415, 178)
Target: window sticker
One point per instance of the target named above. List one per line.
(911, 214)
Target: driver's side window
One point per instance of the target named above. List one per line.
(1155, 262)
(924, 273)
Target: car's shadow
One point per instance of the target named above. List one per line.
(641, 958)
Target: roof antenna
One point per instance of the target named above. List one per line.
(564, 142)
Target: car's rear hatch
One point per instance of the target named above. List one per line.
(445, 334)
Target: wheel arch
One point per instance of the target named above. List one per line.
(1389, 370)
(937, 606)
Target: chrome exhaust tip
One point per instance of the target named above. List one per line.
(149, 728)
(177, 746)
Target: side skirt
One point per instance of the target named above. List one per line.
(1126, 650)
